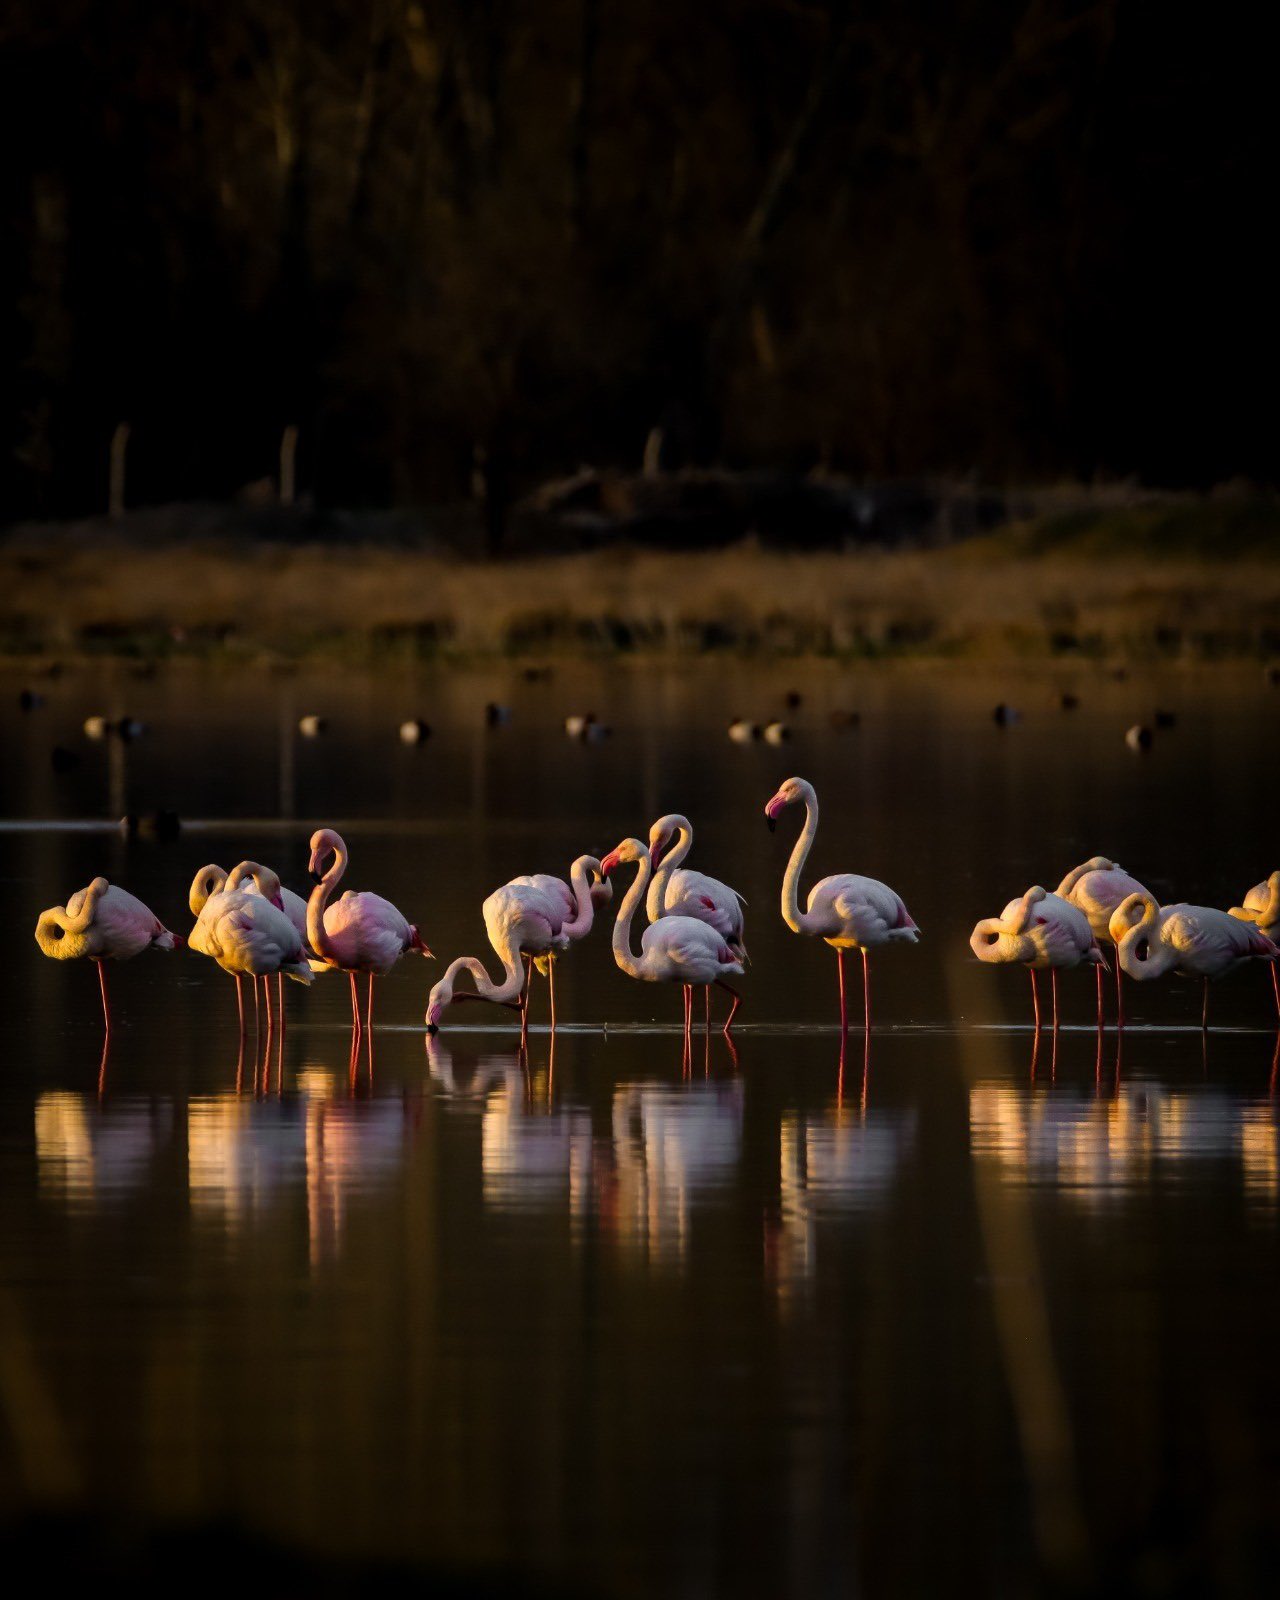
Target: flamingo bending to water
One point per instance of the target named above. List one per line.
(1199, 941)
(522, 919)
(102, 923)
(1039, 930)
(675, 949)
(1097, 887)
(847, 910)
(361, 932)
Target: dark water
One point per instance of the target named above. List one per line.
(945, 1316)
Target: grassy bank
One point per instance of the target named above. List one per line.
(1031, 591)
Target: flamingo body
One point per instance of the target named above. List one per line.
(102, 922)
(682, 892)
(248, 936)
(1262, 906)
(1096, 887)
(1199, 941)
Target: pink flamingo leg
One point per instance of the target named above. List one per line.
(257, 1016)
(551, 981)
(1119, 992)
(844, 1006)
(280, 998)
(355, 1006)
(102, 985)
(733, 1009)
(1035, 996)
(240, 1001)
(686, 995)
(1275, 984)
(1204, 1009)
(866, 993)
(266, 995)
(1054, 976)
(1098, 970)
(370, 1012)
(707, 1008)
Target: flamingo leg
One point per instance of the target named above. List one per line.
(266, 995)
(706, 993)
(1098, 970)
(1204, 1009)
(355, 1006)
(866, 993)
(102, 985)
(733, 1009)
(1275, 984)
(257, 1015)
(1054, 976)
(1119, 992)
(280, 998)
(844, 1005)
(686, 993)
(370, 1013)
(240, 1001)
(1035, 996)
(551, 982)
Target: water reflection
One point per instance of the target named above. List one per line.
(87, 1154)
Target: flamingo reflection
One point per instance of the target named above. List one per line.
(87, 1152)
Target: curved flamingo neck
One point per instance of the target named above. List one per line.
(509, 989)
(656, 899)
(631, 964)
(584, 908)
(318, 899)
(797, 920)
(80, 922)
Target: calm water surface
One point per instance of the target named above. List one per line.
(952, 1314)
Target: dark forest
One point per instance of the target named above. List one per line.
(1019, 240)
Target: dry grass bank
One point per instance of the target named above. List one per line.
(371, 601)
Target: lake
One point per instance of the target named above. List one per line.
(951, 1310)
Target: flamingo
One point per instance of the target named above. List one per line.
(1199, 941)
(1039, 930)
(849, 911)
(247, 934)
(521, 919)
(1262, 908)
(1097, 887)
(361, 932)
(104, 923)
(679, 891)
(587, 892)
(674, 949)
(253, 878)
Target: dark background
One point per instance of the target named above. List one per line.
(1024, 243)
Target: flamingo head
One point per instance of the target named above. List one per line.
(1140, 950)
(601, 889)
(660, 836)
(993, 941)
(788, 794)
(417, 943)
(324, 842)
(438, 1003)
(628, 850)
(204, 885)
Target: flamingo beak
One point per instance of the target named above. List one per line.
(655, 852)
(771, 811)
(609, 863)
(277, 900)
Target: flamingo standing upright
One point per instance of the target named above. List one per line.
(248, 935)
(676, 890)
(849, 911)
(522, 919)
(361, 932)
(1262, 908)
(675, 949)
(1198, 941)
(1097, 887)
(254, 878)
(1039, 930)
(102, 923)
(586, 892)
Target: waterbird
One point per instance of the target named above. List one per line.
(1097, 887)
(96, 727)
(253, 878)
(848, 911)
(743, 732)
(677, 890)
(414, 731)
(674, 949)
(162, 825)
(246, 931)
(1006, 716)
(1262, 908)
(102, 923)
(361, 932)
(312, 725)
(776, 732)
(1166, 719)
(1068, 701)
(1198, 941)
(586, 892)
(524, 921)
(1039, 930)
(496, 715)
(1139, 737)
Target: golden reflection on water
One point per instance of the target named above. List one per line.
(1096, 1149)
(86, 1153)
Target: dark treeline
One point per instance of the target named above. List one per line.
(450, 237)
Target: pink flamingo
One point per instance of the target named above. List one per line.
(849, 911)
(1097, 887)
(1262, 908)
(102, 923)
(254, 878)
(248, 935)
(679, 891)
(1199, 941)
(1039, 930)
(361, 932)
(587, 892)
(522, 919)
(675, 949)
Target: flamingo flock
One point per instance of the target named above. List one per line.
(255, 928)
